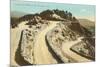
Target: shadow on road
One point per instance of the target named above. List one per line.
(18, 58)
(58, 59)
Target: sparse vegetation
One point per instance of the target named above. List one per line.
(14, 22)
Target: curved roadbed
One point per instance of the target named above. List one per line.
(54, 54)
(64, 53)
(56, 51)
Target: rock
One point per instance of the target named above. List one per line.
(35, 20)
(53, 15)
(27, 46)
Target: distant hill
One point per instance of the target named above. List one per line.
(17, 14)
(90, 25)
(86, 22)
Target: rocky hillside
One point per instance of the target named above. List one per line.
(54, 15)
(80, 26)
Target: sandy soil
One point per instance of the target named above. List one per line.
(41, 52)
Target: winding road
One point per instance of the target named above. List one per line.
(43, 56)
(41, 52)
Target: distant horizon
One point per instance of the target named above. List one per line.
(79, 11)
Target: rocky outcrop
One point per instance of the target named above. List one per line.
(35, 20)
(56, 15)
(27, 46)
(50, 15)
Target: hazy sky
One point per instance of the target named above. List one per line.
(79, 11)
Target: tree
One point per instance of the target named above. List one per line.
(69, 16)
(66, 14)
(74, 19)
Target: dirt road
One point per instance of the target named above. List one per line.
(41, 52)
